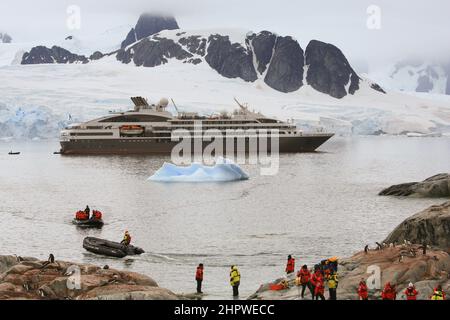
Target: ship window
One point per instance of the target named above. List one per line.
(91, 134)
(135, 118)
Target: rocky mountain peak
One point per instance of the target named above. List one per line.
(149, 24)
(329, 70)
(5, 38)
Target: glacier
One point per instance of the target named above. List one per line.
(224, 170)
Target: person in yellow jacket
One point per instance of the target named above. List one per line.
(332, 281)
(438, 293)
(235, 280)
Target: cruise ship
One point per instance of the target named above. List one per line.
(149, 129)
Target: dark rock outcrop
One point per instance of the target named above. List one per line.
(285, 71)
(147, 25)
(377, 87)
(97, 55)
(29, 278)
(431, 226)
(194, 44)
(231, 60)
(44, 55)
(329, 71)
(154, 52)
(435, 186)
(263, 44)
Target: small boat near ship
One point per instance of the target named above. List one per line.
(110, 248)
(11, 153)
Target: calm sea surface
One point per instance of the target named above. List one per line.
(318, 205)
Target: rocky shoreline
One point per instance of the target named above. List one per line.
(30, 278)
(400, 259)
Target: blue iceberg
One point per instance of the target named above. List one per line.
(223, 170)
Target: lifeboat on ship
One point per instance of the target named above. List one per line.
(131, 130)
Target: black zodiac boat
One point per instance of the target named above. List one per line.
(110, 248)
(90, 223)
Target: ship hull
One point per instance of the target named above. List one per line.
(130, 146)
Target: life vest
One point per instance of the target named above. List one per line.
(333, 281)
(363, 292)
(388, 293)
(315, 277)
(81, 215)
(320, 287)
(438, 295)
(411, 294)
(304, 276)
(97, 215)
(235, 276)
(290, 267)
(199, 274)
(127, 238)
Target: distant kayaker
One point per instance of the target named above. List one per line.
(290, 266)
(126, 238)
(199, 277)
(235, 280)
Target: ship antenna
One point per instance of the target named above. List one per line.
(240, 105)
(175, 105)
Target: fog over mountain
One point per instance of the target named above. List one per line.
(409, 29)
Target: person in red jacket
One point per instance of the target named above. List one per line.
(316, 278)
(290, 267)
(389, 292)
(305, 280)
(320, 287)
(199, 277)
(411, 292)
(363, 292)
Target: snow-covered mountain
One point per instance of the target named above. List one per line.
(5, 38)
(202, 71)
(415, 76)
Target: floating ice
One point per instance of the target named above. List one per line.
(223, 170)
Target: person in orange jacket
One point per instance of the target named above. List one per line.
(389, 292)
(411, 292)
(305, 280)
(363, 291)
(290, 266)
(199, 277)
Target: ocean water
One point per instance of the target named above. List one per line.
(319, 205)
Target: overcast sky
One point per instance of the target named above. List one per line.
(406, 27)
